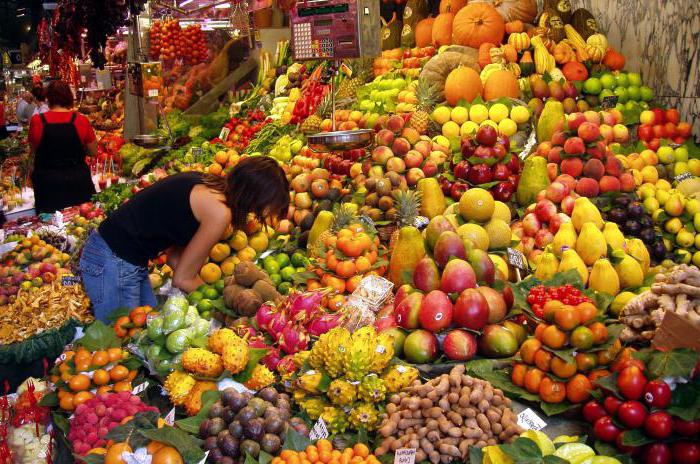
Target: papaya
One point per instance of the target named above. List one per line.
(533, 179)
(408, 250)
(323, 222)
(432, 199)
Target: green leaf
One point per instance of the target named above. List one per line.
(551, 459)
(635, 437)
(295, 441)
(523, 450)
(685, 401)
(264, 457)
(254, 355)
(99, 336)
(50, 400)
(117, 313)
(476, 455)
(609, 383)
(249, 459)
(191, 424)
(90, 458)
(60, 422)
(614, 331)
(565, 354)
(552, 409)
(675, 363)
(186, 444)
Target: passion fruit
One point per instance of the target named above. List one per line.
(250, 447)
(274, 425)
(254, 429)
(269, 394)
(235, 429)
(270, 443)
(216, 410)
(245, 415)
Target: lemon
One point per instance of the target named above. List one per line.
(680, 167)
(468, 128)
(239, 240)
(459, 114)
(259, 242)
(665, 154)
(441, 114)
(450, 129)
(507, 127)
(476, 234)
(694, 166)
(501, 211)
(685, 239)
(680, 154)
(498, 112)
(650, 174)
(478, 113)
(520, 114)
(499, 233)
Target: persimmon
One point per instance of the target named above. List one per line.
(372, 256)
(122, 386)
(517, 376)
(597, 374)
(79, 382)
(552, 391)
(528, 350)
(578, 389)
(132, 375)
(104, 389)
(586, 361)
(99, 358)
(553, 337)
(587, 311)
(539, 330)
(82, 366)
(167, 455)
(363, 264)
(346, 269)
(365, 241)
(550, 308)
(336, 302)
(118, 373)
(119, 328)
(66, 403)
(351, 247)
(533, 378)
(567, 318)
(100, 377)
(81, 397)
(115, 354)
(114, 453)
(352, 283)
(154, 446)
(600, 332)
(356, 228)
(543, 359)
(562, 368)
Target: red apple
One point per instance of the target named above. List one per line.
(486, 135)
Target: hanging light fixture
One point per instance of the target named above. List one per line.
(239, 19)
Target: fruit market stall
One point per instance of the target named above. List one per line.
(505, 271)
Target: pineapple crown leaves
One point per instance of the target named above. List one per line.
(427, 94)
(407, 206)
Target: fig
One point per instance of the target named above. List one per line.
(632, 227)
(270, 443)
(228, 415)
(250, 447)
(617, 215)
(254, 429)
(269, 394)
(216, 410)
(236, 429)
(215, 426)
(229, 446)
(245, 415)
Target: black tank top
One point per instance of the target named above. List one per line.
(156, 218)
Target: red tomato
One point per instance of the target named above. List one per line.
(686, 428)
(593, 410)
(657, 453)
(605, 430)
(632, 414)
(611, 404)
(657, 394)
(686, 452)
(631, 382)
(658, 424)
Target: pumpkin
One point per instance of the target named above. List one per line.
(442, 29)
(562, 7)
(614, 60)
(476, 24)
(527, 65)
(583, 21)
(563, 53)
(485, 54)
(415, 11)
(515, 27)
(462, 83)
(451, 6)
(424, 32)
(575, 71)
(596, 47)
(519, 40)
(501, 83)
(510, 53)
(515, 10)
(439, 66)
(554, 24)
(391, 33)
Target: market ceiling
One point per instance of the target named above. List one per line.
(18, 20)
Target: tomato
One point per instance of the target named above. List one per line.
(593, 410)
(686, 452)
(657, 453)
(611, 404)
(658, 424)
(631, 382)
(686, 428)
(632, 414)
(605, 430)
(657, 394)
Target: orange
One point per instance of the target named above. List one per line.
(336, 454)
(82, 355)
(324, 445)
(115, 354)
(167, 455)
(360, 449)
(553, 337)
(312, 453)
(549, 308)
(539, 330)
(324, 456)
(81, 397)
(552, 391)
(99, 358)
(285, 454)
(104, 389)
(79, 382)
(578, 389)
(154, 446)
(562, 368)
(528, 350)
(302, 456)
(100, 377)
(82, 365)
(567, 318)
(543, 359)
(66, 403)
(69, 355)
(63, 367)
(114, 453)
(587, 311)
(66, 376)
(533, 378)
(586, 361)
(600, 332)
(122, 386)
(118, 373)
(518, 374)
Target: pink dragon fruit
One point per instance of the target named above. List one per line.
(286, 365)
(277, 324)
(272, 358)
(264, 315)
(257, 342)
(322, 324)
(293, 339)
(303, 306)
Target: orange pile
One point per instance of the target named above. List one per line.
(128, 326)
(323, 452)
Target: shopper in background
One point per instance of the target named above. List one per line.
(60, 139)
(185, 214)
(39, 95)
(25, 107)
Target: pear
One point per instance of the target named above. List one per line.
(565, 237)
(637, 249)
(547, 266)
(585, 211)
(629, 272)
(591, 244)
(571, 260)
(613, 236)
(604, 278)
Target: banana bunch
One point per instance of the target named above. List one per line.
(544, 61)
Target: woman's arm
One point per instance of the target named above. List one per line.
(92, 149)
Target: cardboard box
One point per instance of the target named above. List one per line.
(676, 332)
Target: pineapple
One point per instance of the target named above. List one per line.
(312, 124)
(344, 216)
(407, 204)
(348, 88)
(426, 96)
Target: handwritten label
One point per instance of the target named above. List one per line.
(170, 418)
(140, 388)
(319, 430)
(517, 259)
(421, 222)
(683, 176)
(405, 456)
(153, 93)
(609, 102)
(223, 136)
(69, 280)
(61, 358)
(197, 151)
(527, 419)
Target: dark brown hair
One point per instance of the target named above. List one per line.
(59, 94)
(257, 186)
(39, 93)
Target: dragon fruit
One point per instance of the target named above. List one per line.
(277, 324)
(286, 365)
(322, 324)
(293, 339)
(264, 315)
(303, 306)
(272, 359)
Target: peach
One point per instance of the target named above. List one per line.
(545, 209)
(572, 167)
(430, 168)
(557, 220)
(381, 154)
(574, 120)
(558, 138)
(592, 116)
(423, 147)
(414, 175)
(606, 132)
(438, 156)
(589, 131)
(609, 184)
(608, 118)
(593, 168)
(531, 224)
(552, 170)
(574, 146)
(401, 146)
(528, 244)
(567, 204)
(567, 180)
(413, 159)
(543, 148)
(613, 166)
(554, 155)
(587, 187)
(556, 191)
(385, 137)
(621, 133)
(381, 122)
(395, 123)
(410, 134)
(627, 183)
(543, 237)
(395, 164)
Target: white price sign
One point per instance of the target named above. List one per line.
(170, 418)
(152, 93)
(527, 419)
(405, 456)
(139, 388)
(319, 430)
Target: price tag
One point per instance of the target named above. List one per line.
(61, 358)
(70, 280)
(223, 136)
(421, 222)
(609, 102)
(204, 460)
(367, 220)
(527, 419)
(517, 259)
(319, 430)
(197, 151)
(153, 93)
(140, 388)
(405, 456)
(683, 176)
(170, 418)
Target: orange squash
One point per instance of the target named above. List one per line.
(442, 29)
(514, 27)
(462, 83)
(514, 10)
(501, 83)
(614, 60)
(476, 24)
(510, 53)
(451, 6)
(424, 32)
(485, 54)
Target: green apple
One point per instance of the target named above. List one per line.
(647, 93)
(608, 81)
(592, 86)
(634, 92)
(634, 79)
(621, 80)
(621, 93)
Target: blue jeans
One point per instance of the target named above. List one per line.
(110, 282)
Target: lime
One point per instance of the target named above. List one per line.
(592, 86)
(284, 287)
(202, 287)
(204, 305)
(206, 314)
(195, 297)
(646, 92)
(634, 93)
(298, 259)
(622, 80)
(635, 79)
(271, 267)
(276, 279)
(287, 273)
(621, 93)
(608, 81)
(219, 286)
(210, 294)
(282, 259)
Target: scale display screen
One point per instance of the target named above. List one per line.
(323, 10)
